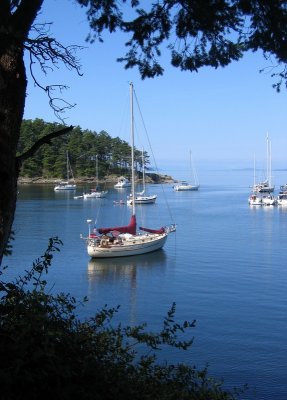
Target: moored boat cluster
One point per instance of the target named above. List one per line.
(265, 198)
(261, 192)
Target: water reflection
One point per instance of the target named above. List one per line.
(106, 276)
(112, 269)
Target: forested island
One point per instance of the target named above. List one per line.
(83, 146)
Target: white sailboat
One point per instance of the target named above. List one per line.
(282, 196)
(67, 185)
(282, 199)
(122, 241)
(255, 200)
(142, 198)
(122, 182)
(184, 185)
(269, 200)
(95, 193)
(266, 186)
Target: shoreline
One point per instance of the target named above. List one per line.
(112, 179)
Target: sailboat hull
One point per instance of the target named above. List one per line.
(65, 186)
(180, 188)
(129, 245)
(143, 200)
(95, 195)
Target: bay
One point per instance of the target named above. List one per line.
(225, 267)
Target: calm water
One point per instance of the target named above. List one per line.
(225, 267)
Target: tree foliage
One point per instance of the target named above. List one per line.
(82, 145)
(196, 33)
(47, 351)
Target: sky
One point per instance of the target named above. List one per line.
(222, 116)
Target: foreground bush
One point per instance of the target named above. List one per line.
(47, 352)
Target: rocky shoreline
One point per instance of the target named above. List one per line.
(154, 178)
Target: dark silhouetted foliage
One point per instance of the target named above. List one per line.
(48, 352)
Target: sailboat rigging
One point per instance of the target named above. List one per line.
(122, 241)
(66, 185)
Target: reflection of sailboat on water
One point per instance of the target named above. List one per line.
(114, 269)
(122, 241)
(105, 274)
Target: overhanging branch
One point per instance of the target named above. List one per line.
(43, 140)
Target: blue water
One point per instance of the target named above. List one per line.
(225, 267)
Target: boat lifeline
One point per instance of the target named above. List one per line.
(122, 241)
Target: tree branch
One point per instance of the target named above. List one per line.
(44, 140)
(48, 53)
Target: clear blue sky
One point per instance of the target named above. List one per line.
(222, 115)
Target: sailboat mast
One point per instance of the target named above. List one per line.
(192, 169)
(143, 168)
(67, 162)
(97, 172)
(267, 161)
(254, 172)
(270, 165)
(132, 146)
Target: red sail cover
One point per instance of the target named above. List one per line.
(161, 230)
(130, 228)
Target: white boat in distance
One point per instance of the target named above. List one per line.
(184, 185)
(142, 198)
(96, 193)
(255, 200)
(122, 183)
(67, 185)
(282, 199)
(282, 196)
(266, 186)
(269, 200)
(122, 241)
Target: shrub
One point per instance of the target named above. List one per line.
(48, 352)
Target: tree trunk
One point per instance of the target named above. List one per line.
(14, 30)
(13, 85)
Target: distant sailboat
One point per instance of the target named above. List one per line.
(122, 183)
(255, 200)
(122, 241)
(266, 186)
(142, 198)
(96, 193)
(66, 185)
(184, 185)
